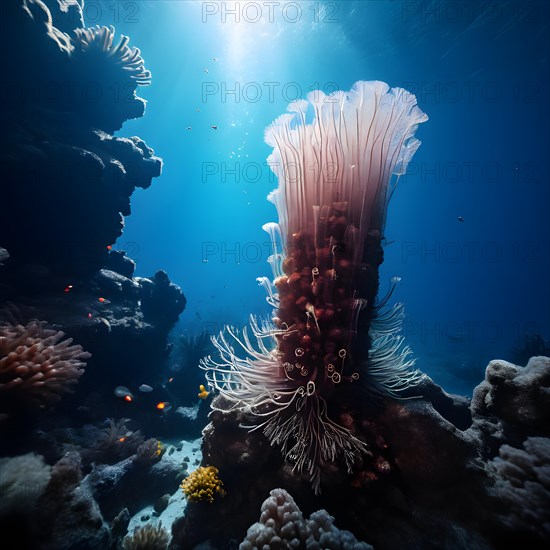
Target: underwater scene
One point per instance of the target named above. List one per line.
(274, 275)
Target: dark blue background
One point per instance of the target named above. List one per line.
(480, 71)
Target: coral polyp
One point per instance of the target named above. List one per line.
(336, 175)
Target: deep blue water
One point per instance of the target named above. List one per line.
(472, 289)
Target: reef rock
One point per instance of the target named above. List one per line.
(65, 187)
(440, 472)
(58, 158)
(512, 402)
(69, 515)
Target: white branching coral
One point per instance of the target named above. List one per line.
(282, 525)
(98, 41)
(37, 363)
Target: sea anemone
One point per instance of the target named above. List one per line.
(37, 363)
(96, 43)
(147, 537)
(335, 182)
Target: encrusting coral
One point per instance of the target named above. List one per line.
(328, 331)
(37, 363)
(523, 484)
(203, 484)
(22, 480)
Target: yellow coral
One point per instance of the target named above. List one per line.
(203, 484)
(160, 449)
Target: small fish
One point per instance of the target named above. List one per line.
(89, 315)
(104, 300)
(460, 219)
(203, 393)
(198, 110)
(124, 393)
(206, 71)
(214, 127)
(214, 59)
(109, 247)
(68, 288)
(105, 322)
(145, 388)
(163, 406)
(189, 128)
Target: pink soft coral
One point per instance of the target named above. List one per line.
(37, 363)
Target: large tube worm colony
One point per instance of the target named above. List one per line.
(336, 175)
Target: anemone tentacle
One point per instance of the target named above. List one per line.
(99, 41)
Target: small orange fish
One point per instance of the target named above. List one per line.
(109, 247)
(164, 406)
(89, 315)
(124, 393)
